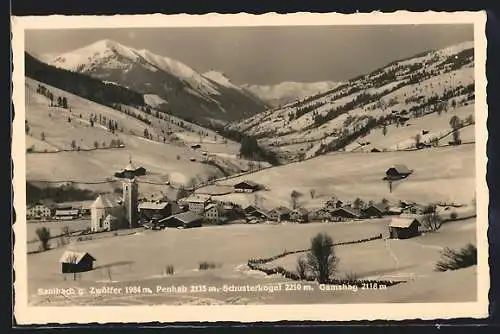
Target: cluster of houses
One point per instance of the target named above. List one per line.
(53, 211)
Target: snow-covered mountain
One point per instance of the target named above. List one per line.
(188, 93)
(289, 91)
(400, 95)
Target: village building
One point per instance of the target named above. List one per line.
(67, 213)
(212, 212)
(195, 146)
(375, 210)
(76, 262)
(157, 210)
(300, 215)
(130, 171)
(403, 228)
(255, 215)
(249, 209)
(280, 213)
(197, 203)
(184, 219)
(397, 172)
(246, 187)
(106, 205)
(38, 211)
(346, 212)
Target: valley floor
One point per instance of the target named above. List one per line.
(139, 260)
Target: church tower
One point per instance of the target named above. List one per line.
(130, 202)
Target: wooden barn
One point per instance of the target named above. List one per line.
(346, 212)
(375, 210)
(184, 219)
(246, 187)
(157, 210)
(397, 172)
(76, 262)
(403, 228)
(300, 215)
(280, 213)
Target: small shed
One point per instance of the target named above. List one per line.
(76, 262)
(246, 187)
(184, 219)
(397, 172)
(403, 228)
(300, 215)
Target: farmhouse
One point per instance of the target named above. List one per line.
(246, 187)
(346, 212)
(130, 171)
(195, 146)
(157, 210)
(184, 219)
(254, 214)
(280, 213)
(106, 205)
(197, 203)
(212, 212)
(67, 213)
(375, 210)
(38, 211)
(76, 262)
(300, 215)
(403, 228)
(397, 172)
(249, 209)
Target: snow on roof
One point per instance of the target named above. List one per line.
(153, 205)
(403, 222)
(185, 217)
(105, 201)
(281, 210)
(401, 169)
(197, 199)
(74, 257)
(348, 209)
(250, 183)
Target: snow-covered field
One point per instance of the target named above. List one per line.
(440, 174)
(229, 247)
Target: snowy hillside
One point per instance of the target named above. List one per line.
(435, 82)
(287, 92)
(189, 93)
(220, 78)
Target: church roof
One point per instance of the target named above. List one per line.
(105, 201)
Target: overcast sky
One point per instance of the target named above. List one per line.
(268, 55)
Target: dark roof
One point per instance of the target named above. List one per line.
(185, 217)
(249, 183)
(348, 209)
(380, 207)
(400, 169)
(250, 208)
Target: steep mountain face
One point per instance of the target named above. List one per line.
(432, 82)
(187, 93)
(286, 92)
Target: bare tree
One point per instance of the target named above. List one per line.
(294, 197)
(431, 219)
(312, 192)
(321, 259)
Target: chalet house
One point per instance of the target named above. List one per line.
(76, 262)
(375, 210)
(157, 210)
(212, 212)
(184, 219)
(397, 172)
(300, 215)
(197, 203)
(249, 209)
(67, 213)
(346, 212)
(256, 215)
(334, 204)
(403, 228)
(130, 171)
(195, 146)
(246, 187)
(280, 213)
(39, 211)
(394, 211)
